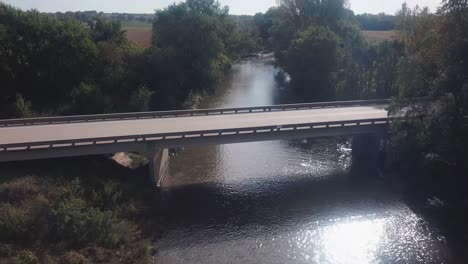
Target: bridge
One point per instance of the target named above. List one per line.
(155, 132)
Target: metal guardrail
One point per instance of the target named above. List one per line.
(188, 135)
(183, 113)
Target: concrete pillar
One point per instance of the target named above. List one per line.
(368, 155)
(158, 164)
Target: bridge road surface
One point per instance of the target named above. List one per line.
(74, 131)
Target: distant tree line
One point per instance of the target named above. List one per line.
(86, 16)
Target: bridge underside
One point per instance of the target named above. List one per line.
(149, 146)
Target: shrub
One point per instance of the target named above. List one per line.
(140, 100)
(19, 190)
(24, 257)
(15, 222)
(73, 258)
(74, 220)
(106, 194)
(143, 252)
(120, 233)
(137, 160)
(22, 107)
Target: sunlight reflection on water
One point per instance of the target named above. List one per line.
(353, 242)
(367, 239)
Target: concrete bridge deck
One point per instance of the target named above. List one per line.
(49, 139)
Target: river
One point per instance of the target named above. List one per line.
(283, 201)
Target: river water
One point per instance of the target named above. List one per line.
(283, 201)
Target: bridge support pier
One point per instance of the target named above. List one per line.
(158, 164)
(368, 155)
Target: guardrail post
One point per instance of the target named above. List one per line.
(158, 164)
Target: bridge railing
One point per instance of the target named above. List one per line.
(183, 113)
(189, 135)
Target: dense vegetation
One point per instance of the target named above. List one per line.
(56, 64)
(93, 212)
(320, 45)
(432, 138)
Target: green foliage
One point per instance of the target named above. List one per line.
(264, 24)
(24, 257)
(55, 212)
(143, 254)
(15, 222)
(192, 42)
(320, 45)
(58, 64)
(433, 132)
(312, 58)
(369, 70)
(74, 220)
(140, 100)
(137, 160)
(87, 98)
(45, 56)
(23, 107)
(106, 31)
(82, 63)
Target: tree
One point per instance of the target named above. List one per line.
(190, 43)
(44, 57)
(60, 66)
(435, 69)
(312, 59)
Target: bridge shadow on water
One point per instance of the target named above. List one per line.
(274, 202)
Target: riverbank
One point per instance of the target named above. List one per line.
(447, 217)
(429, 198)
(80, 210)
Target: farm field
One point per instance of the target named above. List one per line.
(380, 36)
(138, 33)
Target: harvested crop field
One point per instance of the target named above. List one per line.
(140, 36)
(380, 36)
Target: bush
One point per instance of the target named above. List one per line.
(120, 233)
(137, 160)
(15, 222)
(106, 195)
(89, 98)
(74, 220)
(23, 107)
(143, 253)
(140, 100)
(73, 258)
(19, 189)
(24, 257)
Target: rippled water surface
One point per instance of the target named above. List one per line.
(283, 201)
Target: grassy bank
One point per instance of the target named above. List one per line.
(81, 210)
